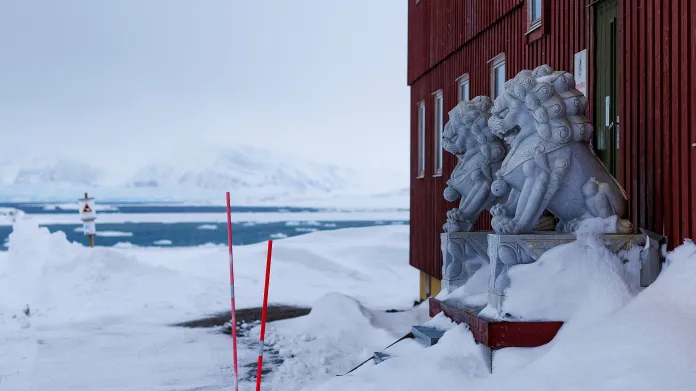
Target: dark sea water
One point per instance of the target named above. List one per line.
(150, 208)
(176, 234)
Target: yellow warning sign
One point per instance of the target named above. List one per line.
(87, 209)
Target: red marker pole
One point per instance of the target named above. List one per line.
(263, 314)
(234, 315)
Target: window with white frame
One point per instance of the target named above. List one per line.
(438, 133)
(497, 75)
(421, 139)
(463, 83)
(534, 9)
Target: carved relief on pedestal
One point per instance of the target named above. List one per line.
(504, 252)
(508, 251)
(464, 253)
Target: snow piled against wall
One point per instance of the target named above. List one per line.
(581, 279)
(646, 343)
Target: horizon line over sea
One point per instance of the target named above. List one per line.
(133, 224)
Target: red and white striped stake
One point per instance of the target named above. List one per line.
(263, 314)
(234, 316)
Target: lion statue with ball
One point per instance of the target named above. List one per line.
(550, 163)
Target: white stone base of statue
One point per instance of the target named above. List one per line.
(463, 254)
(508, 251)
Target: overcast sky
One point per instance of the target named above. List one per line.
(319, 79)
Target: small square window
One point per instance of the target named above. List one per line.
(497, 75)
(463, 84)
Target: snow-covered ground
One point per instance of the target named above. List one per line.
(99, 318)
(614, 338)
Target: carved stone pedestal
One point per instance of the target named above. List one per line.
(506, 251)
(463, 254)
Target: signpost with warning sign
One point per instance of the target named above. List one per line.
(88, 215)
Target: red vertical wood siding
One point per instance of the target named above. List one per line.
(657, 49)
(448, 38)
(657, 114)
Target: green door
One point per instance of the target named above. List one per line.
(606, 95)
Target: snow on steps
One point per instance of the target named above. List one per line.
(497, 333)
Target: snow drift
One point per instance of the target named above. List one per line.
(641, 344)
(336, 336)
(100, 317)
(581, 279)
(65, 281)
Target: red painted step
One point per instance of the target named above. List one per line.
(498, 334)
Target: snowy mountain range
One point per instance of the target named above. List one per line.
(194, 174)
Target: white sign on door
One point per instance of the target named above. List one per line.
(580, 71)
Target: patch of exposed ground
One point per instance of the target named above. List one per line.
(246, 316)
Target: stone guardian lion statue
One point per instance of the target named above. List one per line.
(480, 154)
(550, 163)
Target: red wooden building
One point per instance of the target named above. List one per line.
(639, 57)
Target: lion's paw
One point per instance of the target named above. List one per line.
(499, 210)
(507, 226)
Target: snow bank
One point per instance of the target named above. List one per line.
(582, 279)
(440, 322)
(452, 363)
(474, 292)
(63, 281)
(337, 335)
(99, 316)
(19, 347)
(71, 282)
(646, 344)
